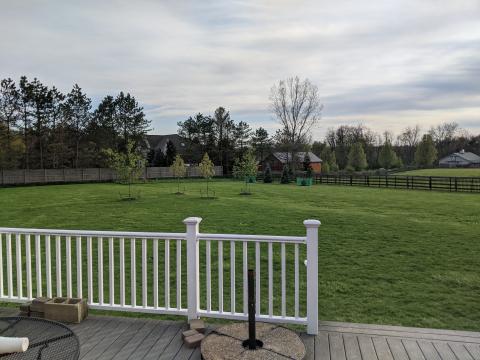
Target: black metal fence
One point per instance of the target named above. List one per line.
(440, 183)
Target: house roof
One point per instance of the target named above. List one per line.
(283, 156)
(159, 142)
(467, 156)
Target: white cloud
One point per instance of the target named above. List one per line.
(385, 63)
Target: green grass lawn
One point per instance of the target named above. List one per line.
(386, 256)
(474, 172)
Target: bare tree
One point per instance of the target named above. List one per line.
(296, 105)
(408, 141)
(444, 132)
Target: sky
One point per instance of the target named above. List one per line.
(385, 64)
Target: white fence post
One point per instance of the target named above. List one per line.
(312, 275)
(193, 268)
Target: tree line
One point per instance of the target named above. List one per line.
(218, 135)
(359, 148)
(41, 127)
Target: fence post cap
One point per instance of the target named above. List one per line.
(192, 220)
(311, 223)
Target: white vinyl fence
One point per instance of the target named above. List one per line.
(191, 273)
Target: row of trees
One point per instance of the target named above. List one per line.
(221, 137)
(41, 127)
(359, 148)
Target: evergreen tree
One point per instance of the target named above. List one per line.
(128, 164)
(170, 153)
(261, 142)
(77, 112)
(426, 153)
(357, 158)
(267, 176)
(387, 158)
(285, 175)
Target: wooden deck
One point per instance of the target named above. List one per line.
(103, 337)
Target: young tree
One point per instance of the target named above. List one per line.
(426, 153)
(267, 175)
(207, 169)
(296, 104)
(179, 170)
(246, 168)
(357, 158)
(129, 165)
(387, 158)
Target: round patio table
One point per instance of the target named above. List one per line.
(47, 339)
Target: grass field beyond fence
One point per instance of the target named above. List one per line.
(474, 172)
(386, 256)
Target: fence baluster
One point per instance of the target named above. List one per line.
(133, 273)
(179, 274)
(89, 270)
(58, 264)
(297, 305)
(111, 273)
(100, 270)
(245, 277)
(167, 274)
(232, 277)
(122, 271)
(284, 290)
(144, 273)
(79, 266)
(155, 273)
(9, 266)
(18, 252)
(68, 256)
(209, 275)
(1, 266)
(28, 257)
(257, 276)
(270, 279)
(220, 276)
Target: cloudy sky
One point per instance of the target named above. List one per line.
(386, 64)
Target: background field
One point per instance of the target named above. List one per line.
(386, 256)
(475, 172)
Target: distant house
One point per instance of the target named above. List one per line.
(277, 160)
(183, 146)
(460, 159)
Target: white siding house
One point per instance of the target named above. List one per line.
(460, 159)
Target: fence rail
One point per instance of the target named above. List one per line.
(440, 183)
(55, 176)
(192, 274)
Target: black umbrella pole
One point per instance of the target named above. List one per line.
(252, 341)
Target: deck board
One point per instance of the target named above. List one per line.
(121, 338)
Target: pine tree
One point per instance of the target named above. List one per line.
(387, 158)
(357, 158)
(170, 153)
(426, 153)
